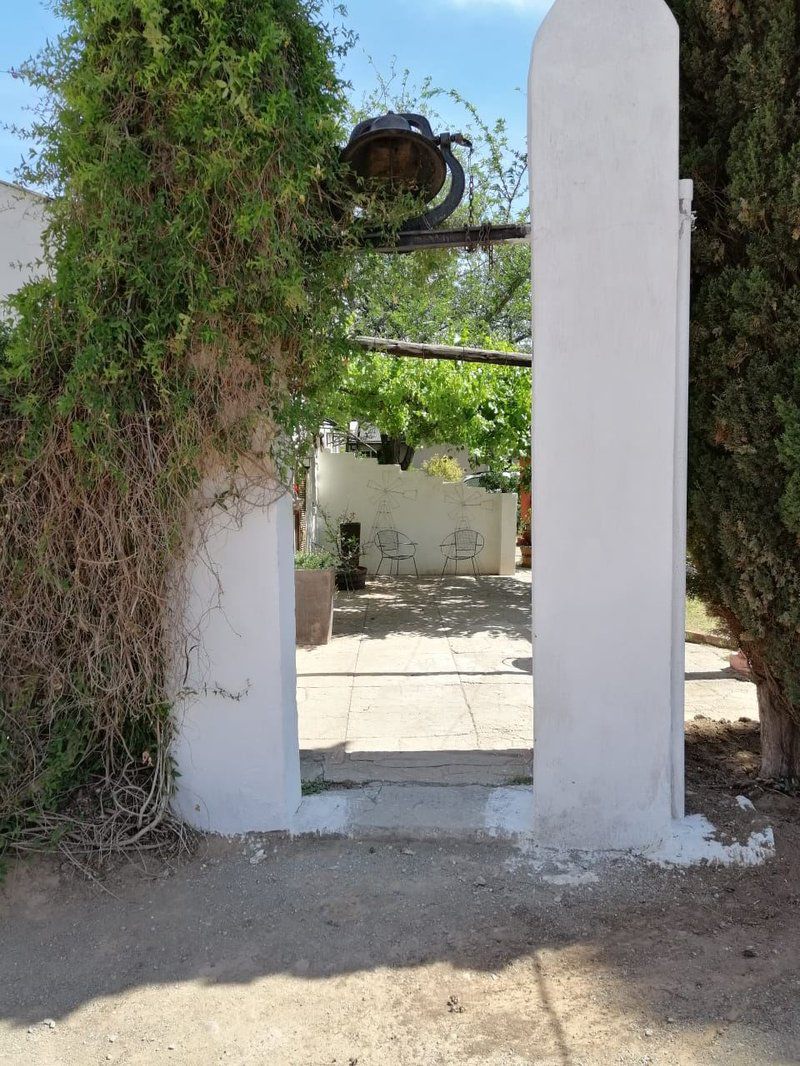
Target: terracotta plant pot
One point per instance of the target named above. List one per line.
(313, 606)
(526, 555)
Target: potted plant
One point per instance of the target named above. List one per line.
(344, 538)
(524, 539)
(350, 539)
(314, 579)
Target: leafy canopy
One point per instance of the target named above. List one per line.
(479, 299)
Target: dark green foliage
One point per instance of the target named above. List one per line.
(741, 144)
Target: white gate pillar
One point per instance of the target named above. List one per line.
(236, 746)
(603, 150)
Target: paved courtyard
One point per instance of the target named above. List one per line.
(431, 682)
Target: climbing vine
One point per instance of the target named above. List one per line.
(195, 256)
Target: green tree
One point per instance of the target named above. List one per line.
(741, 143)
(196, 267)
(484, 409)
(480, 299)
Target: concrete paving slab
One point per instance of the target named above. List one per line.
(495, 668)
(378, 718)
(432, 682)
(328, 701)
(506, 695)
(397, 681)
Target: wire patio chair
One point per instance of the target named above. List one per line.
(463, 545)
(397, 548)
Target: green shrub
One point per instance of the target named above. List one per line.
(443, 466)
(314, 561)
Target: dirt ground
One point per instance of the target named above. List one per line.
(370, 954)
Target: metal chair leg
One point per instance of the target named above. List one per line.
(474, 569)
(414, 561)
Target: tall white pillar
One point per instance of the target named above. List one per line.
(236, 747)
(603, 143)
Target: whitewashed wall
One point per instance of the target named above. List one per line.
(236, 747)
(22, 222)
(603, 138)
(424, 508)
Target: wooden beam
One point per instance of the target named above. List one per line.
(464, 237)
(407, 349)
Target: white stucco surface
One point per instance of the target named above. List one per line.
(426, 509)
(236, 748)
(22, 222)
(603, 140)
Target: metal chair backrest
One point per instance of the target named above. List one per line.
(466, 540)
(388, 539)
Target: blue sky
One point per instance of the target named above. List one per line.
(480, 47)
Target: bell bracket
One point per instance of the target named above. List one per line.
(403, 151)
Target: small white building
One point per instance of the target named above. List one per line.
(22, 223)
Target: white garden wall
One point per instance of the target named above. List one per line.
(425, 508)
(236, 748)
(22, 222)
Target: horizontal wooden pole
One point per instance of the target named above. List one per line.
(407, 349)
(465, 237)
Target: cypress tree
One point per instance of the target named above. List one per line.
(740, 141)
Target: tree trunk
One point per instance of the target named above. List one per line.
(395, 452)
(780, 734)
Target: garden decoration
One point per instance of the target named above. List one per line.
(463, 501)
(401, 154)
(386, 492)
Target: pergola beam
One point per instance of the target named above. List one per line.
(407, 349)
(463, 237)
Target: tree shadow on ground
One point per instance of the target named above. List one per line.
(637, 944)
(454, 607)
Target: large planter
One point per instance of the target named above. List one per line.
(313, 606)
(526, 556)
